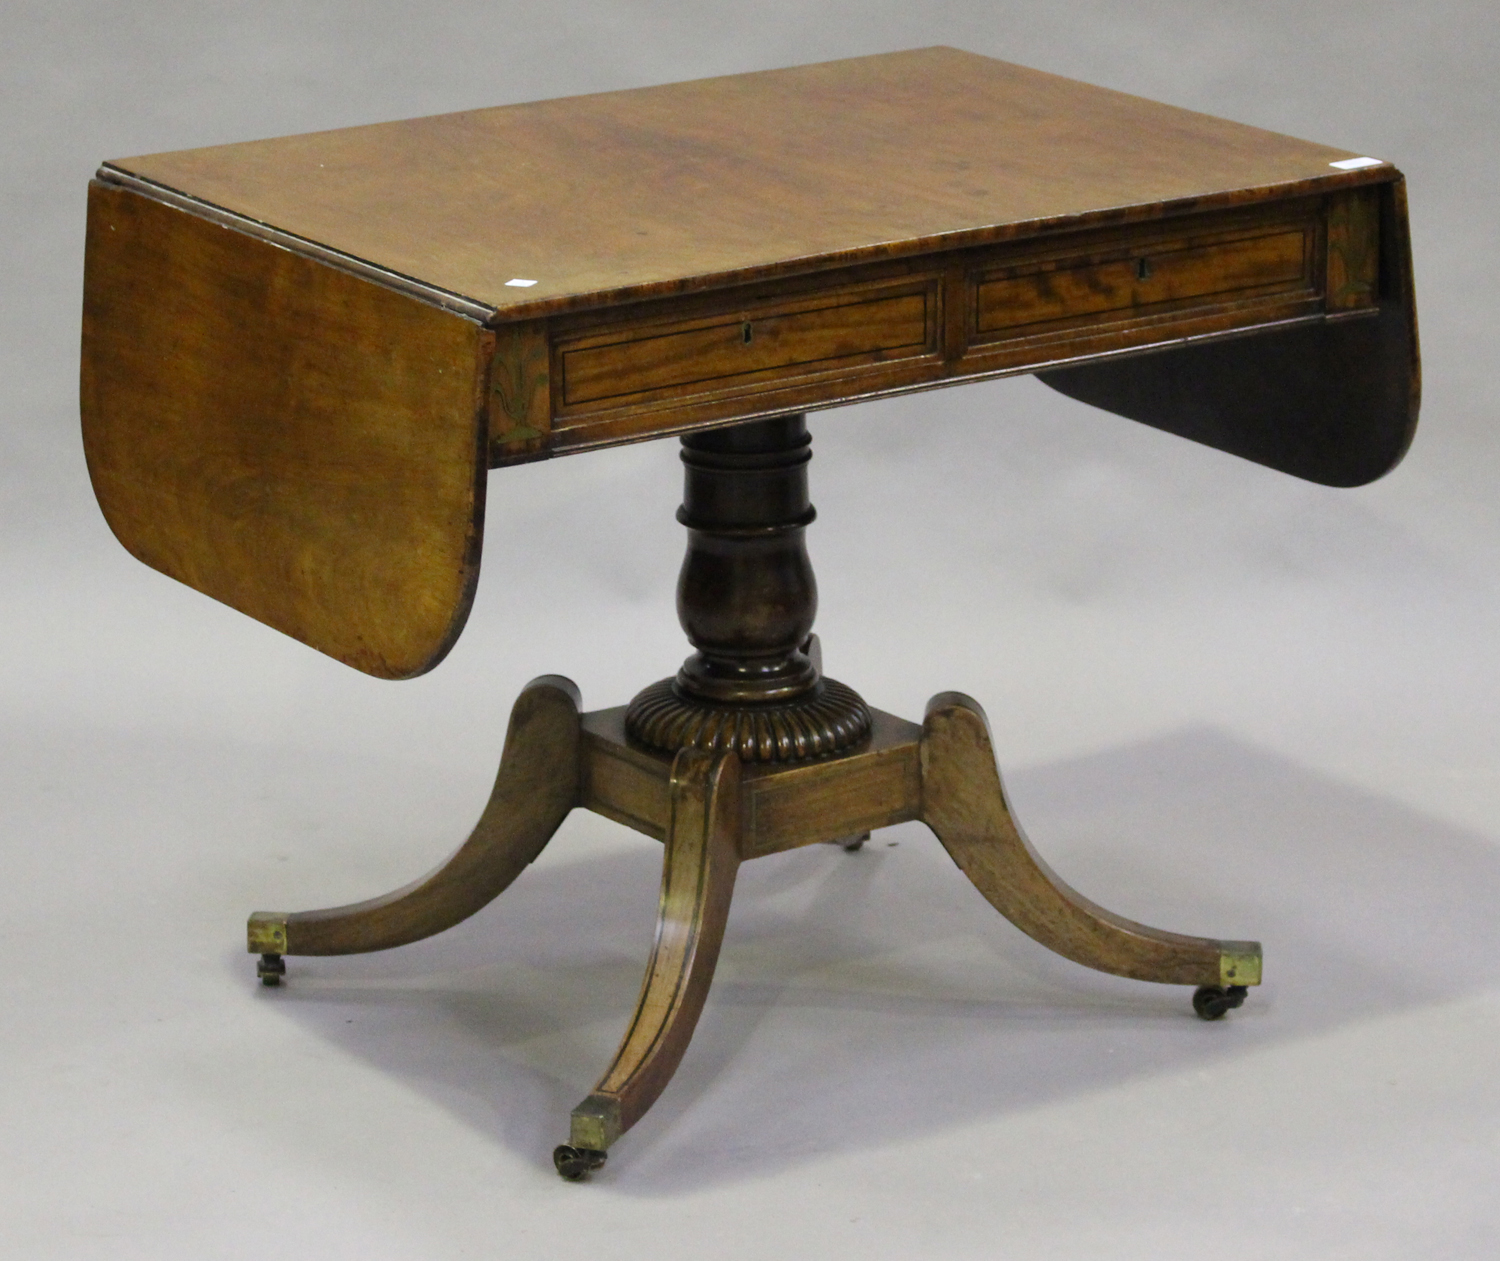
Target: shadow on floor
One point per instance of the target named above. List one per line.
(867, 998)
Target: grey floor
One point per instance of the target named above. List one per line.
(1227, 702)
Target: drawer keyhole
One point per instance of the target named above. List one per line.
(747, 334)
(1142, 268)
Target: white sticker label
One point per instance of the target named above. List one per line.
(1348, 164)
(518, 283)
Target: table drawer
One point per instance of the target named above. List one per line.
(1024, 299)
(747, 346)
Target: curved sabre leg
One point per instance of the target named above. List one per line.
(536, 786)
(699, 865)
(964, 802)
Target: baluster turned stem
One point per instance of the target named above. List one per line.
(746, 597)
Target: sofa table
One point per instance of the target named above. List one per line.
(301, 358)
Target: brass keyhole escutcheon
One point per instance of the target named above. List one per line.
(1142, 268)
(747, 333)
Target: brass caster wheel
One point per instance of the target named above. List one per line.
(576, 1163)
(270, 969)
(1212, 1001)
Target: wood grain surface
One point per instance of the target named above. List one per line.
(1331, 400)
(786, 805)
(300, 443)
(828, 331)
(661, 190)
(674, 364)
(535, 788)
(699, 864)
(964, 803)
(300, 354)
(1354, 249)
(1177, 271)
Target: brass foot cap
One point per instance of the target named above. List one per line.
(266, 933)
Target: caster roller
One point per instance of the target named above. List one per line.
(576, 1163)
(270, 969)
(1212, 1001)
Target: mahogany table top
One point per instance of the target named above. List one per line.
(623, 195)
(301, 356)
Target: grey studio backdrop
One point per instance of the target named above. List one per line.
(1227, 702)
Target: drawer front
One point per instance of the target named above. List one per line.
(746, 347)
(1023, 300)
